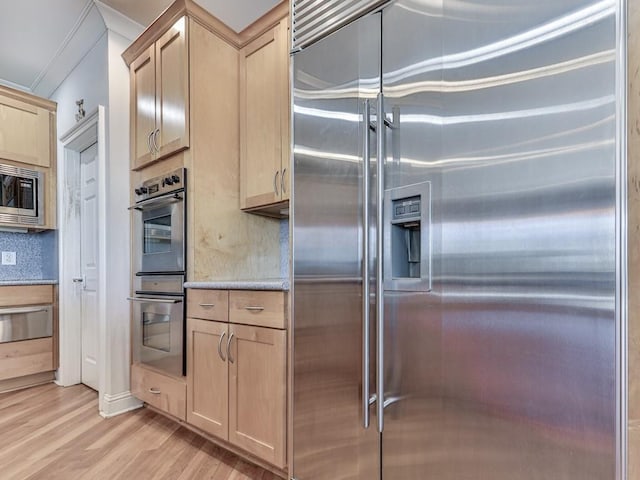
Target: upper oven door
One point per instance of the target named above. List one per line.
(19, 191)
(159, 235)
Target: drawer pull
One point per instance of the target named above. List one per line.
(254, 309)
(208, 305)
(155, 391)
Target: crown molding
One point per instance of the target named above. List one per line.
(117, 22)
(180, 8)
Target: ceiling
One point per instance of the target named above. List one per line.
(41, 41)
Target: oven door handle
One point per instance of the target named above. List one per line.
(157, 202)
(153, 300)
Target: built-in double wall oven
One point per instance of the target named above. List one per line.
(159, 233)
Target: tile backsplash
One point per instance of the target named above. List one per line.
(36, 255)
(284, 248)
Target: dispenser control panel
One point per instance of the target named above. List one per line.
(407, 238)
(406, 208)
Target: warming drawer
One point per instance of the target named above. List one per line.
(25, 323)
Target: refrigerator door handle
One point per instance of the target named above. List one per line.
(380, 158)
(366, 301)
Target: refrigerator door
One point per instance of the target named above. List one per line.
(332, 80)
(505, 369)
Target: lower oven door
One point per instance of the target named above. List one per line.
(158, 333)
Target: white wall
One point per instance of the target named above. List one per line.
(116, 386)
(87, 80)
(102, 78)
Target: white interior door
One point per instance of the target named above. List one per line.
(89, 249)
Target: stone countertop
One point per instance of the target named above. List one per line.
(4, 283)
(269, 284)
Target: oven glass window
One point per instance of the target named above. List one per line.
(156, 331)
(17, 192)
(157, 234)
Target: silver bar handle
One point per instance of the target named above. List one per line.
(155, 391)
(220, 347)
(17, 311)
(153, 137)
(207, 305)
(366, 193)
(379, 263)
(153, 300)
(275, 183)
(231, 360)
(283, 187)
(254, 309)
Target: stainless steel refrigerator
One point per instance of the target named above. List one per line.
(454, 243)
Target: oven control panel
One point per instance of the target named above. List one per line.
(168, 183)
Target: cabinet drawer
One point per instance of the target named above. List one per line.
(26, 358)
(165, 393)
(208, 304)
(260, 308)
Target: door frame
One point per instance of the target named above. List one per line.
(91, 130)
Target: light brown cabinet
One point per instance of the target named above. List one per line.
(28, 138)
(160, 97)
(264, 119)
(236, 374)
(160, 391)
(27, 362)
(25, 132)
(207, 376)
(257, 391)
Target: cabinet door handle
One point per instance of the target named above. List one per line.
(155, 144)
(207, 305)
(155, 391)
(275, 182)
(149, 142)
(283, 188)
(220, 347)
(231, 360)
(254, 309)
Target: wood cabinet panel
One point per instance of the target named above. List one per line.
(25, 132)
(165, 393)
(159, 80)
(260, 308)
(26, 357)
(207, 376)
(264, 119)
(143, 117)
(208, 304)
(172, 90)
(257, 391)
(20, 295)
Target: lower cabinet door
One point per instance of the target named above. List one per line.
(257, 391)
(207, 376)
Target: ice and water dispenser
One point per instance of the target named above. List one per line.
(407, 242)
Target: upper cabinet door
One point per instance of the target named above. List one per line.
(260, 120)
(285, 106)
(24, 132)
(172, 90)
(143, 107)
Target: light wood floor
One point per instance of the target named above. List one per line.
(49, 432)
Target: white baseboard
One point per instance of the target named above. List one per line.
(120, 403)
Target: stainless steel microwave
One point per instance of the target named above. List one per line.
(21, 196)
